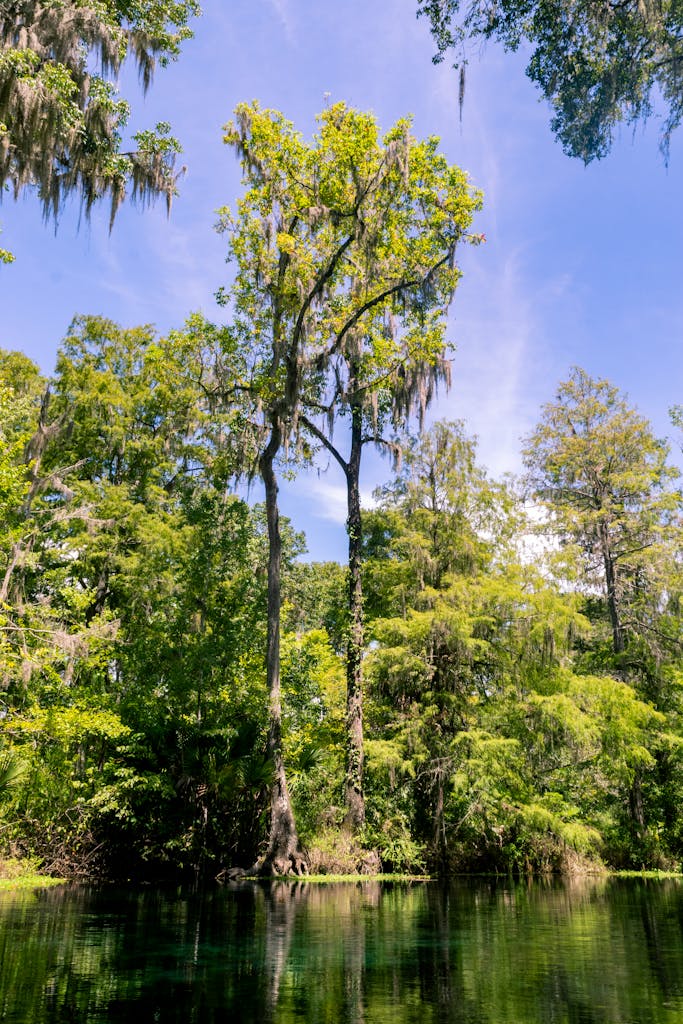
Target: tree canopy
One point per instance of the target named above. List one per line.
(605, 477)
(504, 726)
(62, 121)
(345, 263)
(598, 65)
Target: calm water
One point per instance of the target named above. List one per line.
(475, 953)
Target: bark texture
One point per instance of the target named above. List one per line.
(353, 789)
(284, 855)
(618, 638)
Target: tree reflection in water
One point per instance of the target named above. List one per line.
(284, 953)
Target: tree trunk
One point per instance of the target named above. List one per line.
(353, 789)
(283, 855)
(618, 639)
(354, 800)
(635, 804)
(440, 821)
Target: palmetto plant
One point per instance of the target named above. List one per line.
(11, 771)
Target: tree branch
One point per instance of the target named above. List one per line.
(324, 440)
(386, 294)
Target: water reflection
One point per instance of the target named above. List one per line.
(480, 952)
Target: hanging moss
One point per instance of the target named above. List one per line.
(61, 118)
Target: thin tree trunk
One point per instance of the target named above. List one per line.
(635, 796)
(354, 799)
(618, 639)
(636, 808)
(353, 789)
(283, 855)
(440, 821)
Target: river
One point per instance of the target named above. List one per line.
(476, 952)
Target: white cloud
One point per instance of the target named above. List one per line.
(491, 366)
(327, 500)
(284, 14)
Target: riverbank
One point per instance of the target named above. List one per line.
(16, 873)
(24, 874)
(333, 879)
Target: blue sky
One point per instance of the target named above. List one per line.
(581, 265)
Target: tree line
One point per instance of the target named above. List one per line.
(521, 659)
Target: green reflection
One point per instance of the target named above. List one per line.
(605, 951)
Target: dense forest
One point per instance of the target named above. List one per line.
(491, 682)
(521, 662)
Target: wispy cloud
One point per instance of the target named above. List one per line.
(500, 350)
(284, 14)
(186, 262)
(326, 499)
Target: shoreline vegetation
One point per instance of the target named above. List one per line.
(16, 873)
(522, 674)
(31, 880)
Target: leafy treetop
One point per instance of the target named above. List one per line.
(598, 64)
(61, 118)
(596, 464)
(336, 245)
